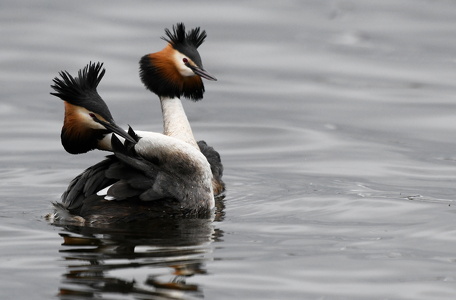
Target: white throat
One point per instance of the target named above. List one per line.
(175, 122)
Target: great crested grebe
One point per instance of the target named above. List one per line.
(174, 72)
(147, 176)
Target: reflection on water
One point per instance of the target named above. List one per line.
(147, 260)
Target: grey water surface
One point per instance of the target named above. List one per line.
(335, 120)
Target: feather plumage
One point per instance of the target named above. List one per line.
(195, 37)
(83, 89)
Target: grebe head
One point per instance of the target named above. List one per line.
(87, 117)
(176, 70)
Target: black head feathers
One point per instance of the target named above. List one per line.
(70, 87)
(179, 37)
(82, 90)
(186, 42)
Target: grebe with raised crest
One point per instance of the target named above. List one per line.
(149, 173)
(176, 71)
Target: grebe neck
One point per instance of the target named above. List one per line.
(175, 122)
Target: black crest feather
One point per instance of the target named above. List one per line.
(195, 37)
(68, 87)
(82, 90)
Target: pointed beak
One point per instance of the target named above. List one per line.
(113, 127)
(201, 72)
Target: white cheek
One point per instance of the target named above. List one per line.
(87, 120)
(181, 67)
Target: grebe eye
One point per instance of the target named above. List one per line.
(185, 60)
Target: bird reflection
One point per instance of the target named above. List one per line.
(147, 260)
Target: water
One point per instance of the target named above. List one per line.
(335, 122)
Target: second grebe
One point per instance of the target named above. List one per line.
(146, 175)
(174, 72)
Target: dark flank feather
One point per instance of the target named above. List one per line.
(213, 157)
(136, 176)
(88, 183)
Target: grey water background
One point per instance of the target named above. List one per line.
(335, 121)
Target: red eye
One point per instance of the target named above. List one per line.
(185, 60)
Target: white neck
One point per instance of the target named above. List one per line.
(175, 122)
